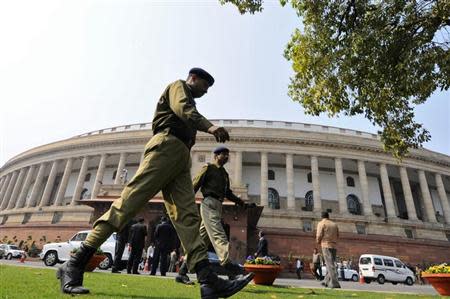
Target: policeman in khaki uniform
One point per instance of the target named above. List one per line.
(166, 166)
(214, 183)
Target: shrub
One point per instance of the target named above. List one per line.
(267, 260)
(438, 269)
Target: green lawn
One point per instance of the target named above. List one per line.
(22, 282)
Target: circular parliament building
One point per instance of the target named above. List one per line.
(292, 171)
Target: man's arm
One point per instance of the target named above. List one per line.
(230, 195)
(319, 233)
(184, 107)
(199, 178)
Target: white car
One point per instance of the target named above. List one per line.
(53, 253)
(349, 274)
(11, 251)
(384, 268)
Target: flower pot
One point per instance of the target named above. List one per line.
(264, 274)
(439, 281)
(93, 263)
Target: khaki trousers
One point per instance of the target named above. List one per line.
(166, 166)
(329, 255)
(211, 228)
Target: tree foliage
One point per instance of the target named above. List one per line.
(376, 58)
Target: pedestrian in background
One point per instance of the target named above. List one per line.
(327, 236)
(165, 237)
(121, 241)
(263, 245)
(136, 243)
(317, 261)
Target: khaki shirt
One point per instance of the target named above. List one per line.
(327, 233)
(176, 109)
(213, 180)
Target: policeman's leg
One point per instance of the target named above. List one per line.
(161, 164)
(180, 204)
(211, 213)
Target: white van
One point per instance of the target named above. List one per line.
(384, 268)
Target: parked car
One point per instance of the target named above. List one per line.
(384, 268)
(53, 253)
(349, 274)
(11, 251)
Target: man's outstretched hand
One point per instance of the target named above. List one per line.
(220, 133)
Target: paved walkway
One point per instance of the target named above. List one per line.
(303, 283)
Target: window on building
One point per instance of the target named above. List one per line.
(353, 205)
(201, 158)
(87, 178)
(271, 175)
(309, 177)
(114, 174)
(307, 226)
(361, 228)
(350, 182)
(309, 201)
(409, 233)
(274, 199)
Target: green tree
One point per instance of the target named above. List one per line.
(376, 58)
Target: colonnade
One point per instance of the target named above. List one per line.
(15, 185)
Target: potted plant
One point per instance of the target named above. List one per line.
(95, 260)
(439, 277)
(266, 269)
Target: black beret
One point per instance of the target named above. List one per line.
(202, 74)
(221, 149)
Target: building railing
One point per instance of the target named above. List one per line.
(247, 123)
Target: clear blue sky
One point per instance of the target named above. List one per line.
(69, 67)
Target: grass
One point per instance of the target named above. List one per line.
(24, 282)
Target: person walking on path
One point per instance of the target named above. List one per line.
(121, 241)
(299, 268)
(317, 261)
(263, 246)
(327, 236)
(136, 244)
(214, 183)
(165, 236)
(166, 166)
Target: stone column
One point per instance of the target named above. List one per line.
(316, 184)
(443, 197)
(343, 209)
(238, 168)
(2, 182)
(429, 209)
(388, 200)
(26, 187)
(290, 181)
(49, 186)
(64, 182)
(410, 208)
(264, 179)
(99, 176)
(16, 189)
(80, 181)
(3, 190)
(37, 186)
(120, 167)
(367, 206)
(9, 190)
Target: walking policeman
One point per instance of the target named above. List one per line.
(214, 183)
(166, 166)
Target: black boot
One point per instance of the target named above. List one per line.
(234, 271)
(71, 272)
(212, 286)
(182, 275)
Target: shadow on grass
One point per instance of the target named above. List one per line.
(115, 295)
(285, 290)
